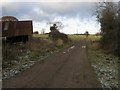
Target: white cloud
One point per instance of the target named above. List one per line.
(76, 17)
(76, 25)
(58, 0)
(71, 25)
(38, 26)
(39, 11)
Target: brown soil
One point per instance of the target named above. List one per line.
(69, 68)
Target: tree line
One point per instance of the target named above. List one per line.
(108, 14)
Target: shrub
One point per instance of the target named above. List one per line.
(56, 35)
(59, 42)
(15, 53)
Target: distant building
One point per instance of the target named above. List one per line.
(17, 30)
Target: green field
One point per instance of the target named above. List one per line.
(74, 37)
(41, 35)
(84, 38)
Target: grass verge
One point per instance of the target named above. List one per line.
(105, 66)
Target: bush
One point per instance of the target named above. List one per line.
(59, 42)
(55, 35)
(107, 15)
(15, 53)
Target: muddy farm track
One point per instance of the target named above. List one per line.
(69, 68)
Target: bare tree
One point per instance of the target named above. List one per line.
(59, 25)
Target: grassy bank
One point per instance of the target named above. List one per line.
(105, 66)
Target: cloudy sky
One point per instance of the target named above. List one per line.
(76, 17)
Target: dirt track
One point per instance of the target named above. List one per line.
(69, 68)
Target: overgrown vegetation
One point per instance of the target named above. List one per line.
(20, 56)
(55, 35)
(20, 52)
(108, 16)
(105, 66)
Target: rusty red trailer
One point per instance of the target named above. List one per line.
(16, 28)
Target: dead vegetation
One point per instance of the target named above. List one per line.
(19, 56)
(16, 51)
